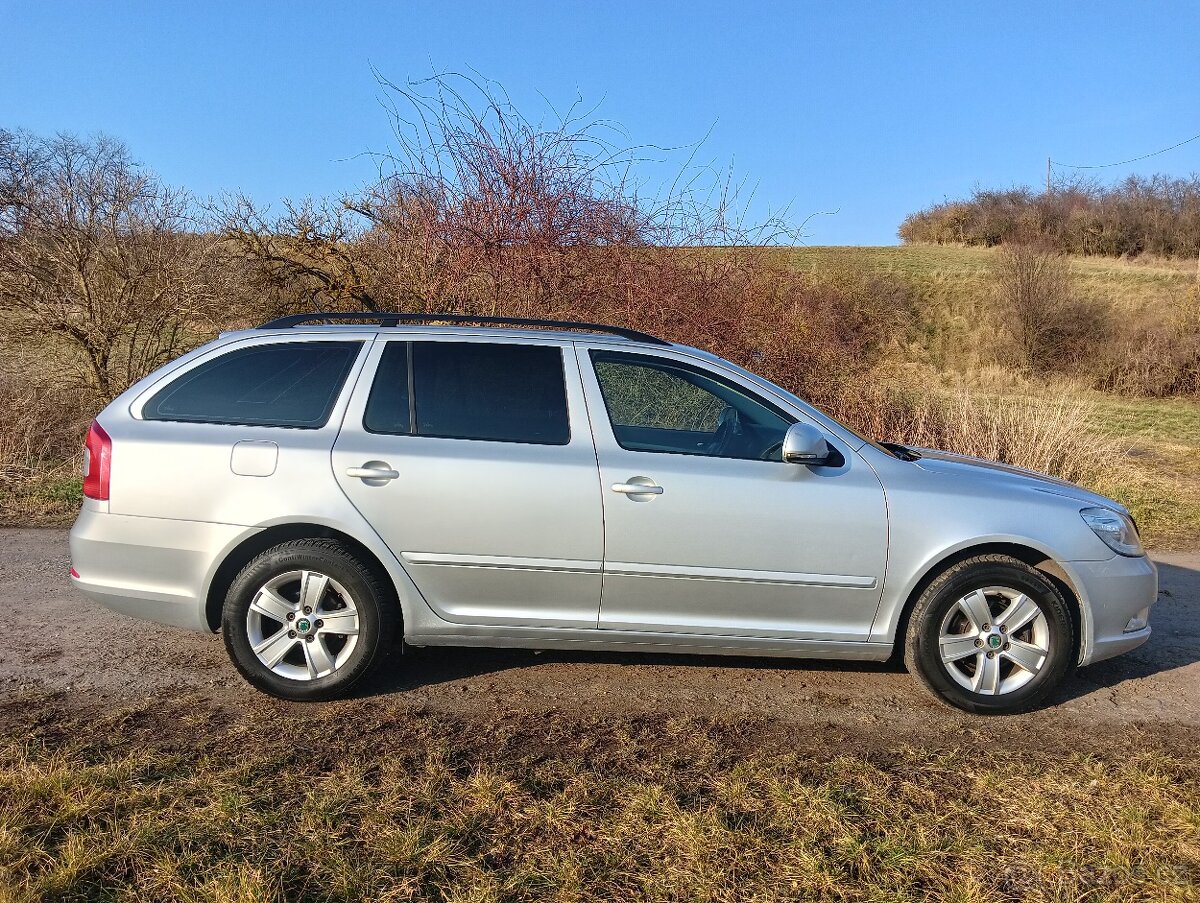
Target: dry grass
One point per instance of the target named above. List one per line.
(1051, 435)
(1144, 454)
(41, 436)
(41, 498)
(955, 291)
(279, 808)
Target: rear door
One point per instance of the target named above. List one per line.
(474, 462)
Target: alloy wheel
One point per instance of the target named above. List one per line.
(994, 640)
(302, 625)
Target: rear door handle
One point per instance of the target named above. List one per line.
(372, 473)
(637, 488)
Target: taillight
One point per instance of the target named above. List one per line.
(97, 463)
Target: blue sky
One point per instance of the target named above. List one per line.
(871, 109)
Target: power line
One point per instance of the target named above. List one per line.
(1131, 160)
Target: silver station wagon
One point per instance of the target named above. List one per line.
(326, 487)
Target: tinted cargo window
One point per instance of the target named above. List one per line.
(471, 390)
(293, 384)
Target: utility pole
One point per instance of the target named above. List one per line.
(1047, 175)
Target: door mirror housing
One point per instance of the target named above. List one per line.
(805, 444)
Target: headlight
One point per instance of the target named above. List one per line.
(1115, 530)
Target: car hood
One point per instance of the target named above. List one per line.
(953, 464)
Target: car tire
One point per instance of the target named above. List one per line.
(990, 667)
(307, 620)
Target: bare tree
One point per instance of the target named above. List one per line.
(98, 264)
(308, 254)
(1053, 327)
(479, 209)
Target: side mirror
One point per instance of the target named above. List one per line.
(805, 444)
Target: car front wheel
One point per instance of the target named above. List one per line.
(306, 620)
(991, 635)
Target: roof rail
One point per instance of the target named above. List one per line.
(384, 318)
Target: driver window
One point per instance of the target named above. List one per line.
(659, 405)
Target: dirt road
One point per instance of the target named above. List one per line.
(61, 644)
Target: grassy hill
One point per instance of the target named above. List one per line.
(958, 342)
(954, 289)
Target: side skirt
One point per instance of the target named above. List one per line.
(631, 641)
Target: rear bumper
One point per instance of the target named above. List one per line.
(1115, 592)
(150, 568)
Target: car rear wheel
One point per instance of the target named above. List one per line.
(306, 620)
(991, 635)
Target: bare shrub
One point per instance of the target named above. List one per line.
(481, 210)
(1157, 215)
(97, 263)
(1156, 358)
(1053, 328)
(310, 254)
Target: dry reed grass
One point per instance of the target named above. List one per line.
(1048, 434)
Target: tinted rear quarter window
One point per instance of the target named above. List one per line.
(388, 406)
(471, 390)
(291, 384)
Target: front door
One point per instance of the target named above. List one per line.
(474, 462)
(706, 530)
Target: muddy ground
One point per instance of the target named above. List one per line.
(67, 657)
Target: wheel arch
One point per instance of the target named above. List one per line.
(1035, 558)
(269, 537)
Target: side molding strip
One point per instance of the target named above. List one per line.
(736, 575)
(502, 562)
(629, 569)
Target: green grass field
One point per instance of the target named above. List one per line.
(1161, 438)
(1136, 282)
(953, 288)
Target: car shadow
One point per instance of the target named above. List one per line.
(1174, 643)
(429, 666)
(1174, 639)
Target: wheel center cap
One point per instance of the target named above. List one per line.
(303, 625)
(995, 641)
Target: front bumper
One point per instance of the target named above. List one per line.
(1114, 592)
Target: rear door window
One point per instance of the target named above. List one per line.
(290, 384)
(471, 390)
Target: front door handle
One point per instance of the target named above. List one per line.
(647, 488)
(373, 470)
